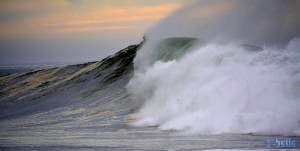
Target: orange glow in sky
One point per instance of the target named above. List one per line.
(75, 30)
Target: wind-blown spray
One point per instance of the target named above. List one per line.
(219, 86)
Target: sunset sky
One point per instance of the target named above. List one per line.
(35, 31)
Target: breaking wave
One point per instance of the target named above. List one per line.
(222, 89)
(242, 76)
(235, 69)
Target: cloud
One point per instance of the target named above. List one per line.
(24, 6)
(50, 24)
(90, 29)
(113, 14)
(72, 30)
(47, 18)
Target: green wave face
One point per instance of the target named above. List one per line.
(174, 48)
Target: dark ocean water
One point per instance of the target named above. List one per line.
(5, 71)
(8, 69)
(87, 107)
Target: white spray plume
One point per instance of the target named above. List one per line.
(254, 22)
(223, 88)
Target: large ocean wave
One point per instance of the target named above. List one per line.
(222, 89)
(242, 76)
(213, 67)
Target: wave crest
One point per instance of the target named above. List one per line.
(222, 89)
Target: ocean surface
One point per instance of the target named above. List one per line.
(227, 79)
(88, 107)
(8, 69)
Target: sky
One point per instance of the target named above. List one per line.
(69, 31)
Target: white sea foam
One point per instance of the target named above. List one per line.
(222, 89)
